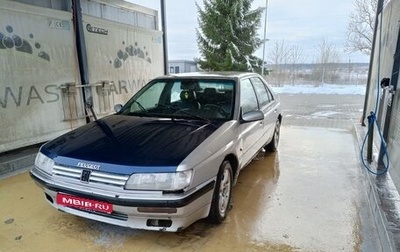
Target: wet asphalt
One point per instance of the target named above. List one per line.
(308, 196)
(322, 110)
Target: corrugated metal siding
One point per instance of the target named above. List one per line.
(394, 142)
(382, 68)
(64, 5)
(390, 41)
(117, 11)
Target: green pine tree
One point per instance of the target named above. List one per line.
(227, 35)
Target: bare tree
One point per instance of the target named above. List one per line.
(326, 60)
(360, 28)
(279, 56)
(295, 56)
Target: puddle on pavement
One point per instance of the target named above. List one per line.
(302, 198)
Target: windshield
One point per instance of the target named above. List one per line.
(186, 98)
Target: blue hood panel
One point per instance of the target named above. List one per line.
(121, 141)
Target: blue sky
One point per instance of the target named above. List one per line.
(303, 23)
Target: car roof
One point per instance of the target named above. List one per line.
(218, 75)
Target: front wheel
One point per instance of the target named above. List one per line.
(273, 145)
(222, 194)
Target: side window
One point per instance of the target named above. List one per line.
(175, 92)
(248, 99)
(271, 97)
(261, 91)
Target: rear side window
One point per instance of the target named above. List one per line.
(248, 99)
(263, 95)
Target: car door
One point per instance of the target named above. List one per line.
(250, 133)
(267, 106)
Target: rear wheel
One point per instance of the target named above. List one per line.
(222, 194)
(273, 145)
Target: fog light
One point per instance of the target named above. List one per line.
(49, 198)
(159, 223)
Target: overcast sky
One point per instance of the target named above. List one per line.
(303, 23)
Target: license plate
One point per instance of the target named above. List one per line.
(82, 203)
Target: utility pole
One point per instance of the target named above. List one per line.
(265, 36)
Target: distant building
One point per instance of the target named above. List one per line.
(182, 66)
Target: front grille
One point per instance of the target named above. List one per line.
(113, 215)
(95, 177)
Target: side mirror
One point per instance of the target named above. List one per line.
(117, 107)
(252, 116)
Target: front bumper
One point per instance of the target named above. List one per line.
(134, 209)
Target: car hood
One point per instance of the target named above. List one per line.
(119, 140)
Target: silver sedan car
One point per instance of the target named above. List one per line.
(166, 158)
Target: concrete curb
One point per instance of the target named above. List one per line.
(383, 198)
(16, 161)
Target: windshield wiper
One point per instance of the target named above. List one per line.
(183, 111)
(140, 106)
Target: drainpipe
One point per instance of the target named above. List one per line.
(82, 56)
(370, 142)
(164, 30)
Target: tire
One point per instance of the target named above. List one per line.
(221, 201)
(273, 145)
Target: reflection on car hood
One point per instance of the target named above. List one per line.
(131, 141)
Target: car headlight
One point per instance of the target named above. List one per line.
(44, 163)
(159, 181)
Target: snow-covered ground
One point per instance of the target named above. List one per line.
(323, 89)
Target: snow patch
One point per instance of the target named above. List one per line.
(324, 114)
(322, 89)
